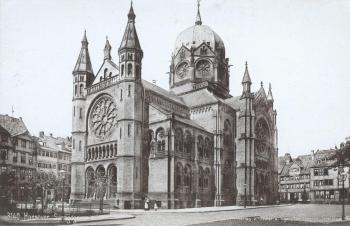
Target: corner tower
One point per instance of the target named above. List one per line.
(83, 77)
(130, 120)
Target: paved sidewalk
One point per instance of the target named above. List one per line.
(197, 210)
(57, 220)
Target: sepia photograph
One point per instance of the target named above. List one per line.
(175, 112)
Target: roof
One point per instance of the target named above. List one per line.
(15, 126)
(83, 63)
(163, 92)
(130, 38)
(303, 161)
(55, 143)
(246, 77)
(195, 35)
(325, 158)
(236, 103)
(190, 123)
(199, 98)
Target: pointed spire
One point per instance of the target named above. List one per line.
(107, 50)
(269, 94)
(246, 77)
(198, 18)
(84, 63)
(130, 38)
(131, 14)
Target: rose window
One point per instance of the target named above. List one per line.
(203, 68)
(182, 70)
(103, 117)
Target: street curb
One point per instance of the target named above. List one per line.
(105, 219)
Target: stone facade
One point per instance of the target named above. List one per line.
(195, 145)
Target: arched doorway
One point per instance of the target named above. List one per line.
(112, 181)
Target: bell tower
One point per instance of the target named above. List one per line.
(83, 77)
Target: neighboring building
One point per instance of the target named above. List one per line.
(195, 145)
(325, 182)
(54, 155)
(294, 178)
(316, 175)
(18, 159)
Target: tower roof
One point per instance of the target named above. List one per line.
(246, 77)
(130, 38)
(84, 63)
(107, 50)
(269, 94)
(198, 18)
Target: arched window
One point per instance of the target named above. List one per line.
(200, 144)
(178, 140)
(80, 145)
(206, 177)
(138, 71)
(81, 90)
(227, 133)
(105, 73)
(200, 177)
(121, 94)
(115, 149)
(129, 90)
(187, 176)
(110, 75)
(207, 148)
(76, 90)
(112, 179)
(160, 137)
(178, 174)
(188, 143)
(122, 72)
(129, 69)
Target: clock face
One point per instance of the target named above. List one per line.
(103, 117)
(182, 70)
(203, 68)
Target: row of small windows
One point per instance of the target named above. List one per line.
(295, 186)
(104, 151)
(18, 142)
(80, 78)
(327, 182)
(51, 154)
(301, 177)
(79, 91)
(23, 159)
(321, 172)
(21, 173)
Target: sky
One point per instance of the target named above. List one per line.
(301, 46)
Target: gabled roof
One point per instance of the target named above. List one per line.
(15, 126)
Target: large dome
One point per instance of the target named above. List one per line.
(194, 36)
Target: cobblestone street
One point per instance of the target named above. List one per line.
(310, 213)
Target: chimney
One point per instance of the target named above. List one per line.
(312, 154)
(50, 134)
(41, 134)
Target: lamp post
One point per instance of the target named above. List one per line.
(62, 172)
(342, 175)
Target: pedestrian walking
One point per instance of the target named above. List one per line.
(155, 206)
